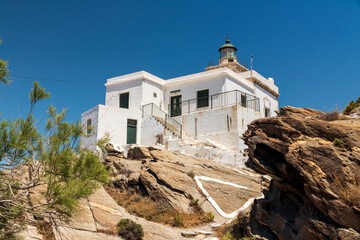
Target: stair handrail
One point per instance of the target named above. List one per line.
(153, 110)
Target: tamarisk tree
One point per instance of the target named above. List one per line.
(4, 71)
(43, 172)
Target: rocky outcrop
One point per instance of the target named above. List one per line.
(315, 193)
(168, 176)
(98, 218)
(355, 113)
(164, 176)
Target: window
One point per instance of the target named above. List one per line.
(155, 95)
(203, 98)
(88, 126)
(267, 107)
(267, 112)
(124, 100)
(243, 99)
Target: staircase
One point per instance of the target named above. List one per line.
(162, 117)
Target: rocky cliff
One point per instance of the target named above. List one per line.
(315, 165)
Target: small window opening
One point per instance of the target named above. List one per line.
(155, 95)
(267, 112)
(131, 122)
(124, 100)
(88, 126)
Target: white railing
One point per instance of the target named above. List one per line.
(218, 100)
(168, 122)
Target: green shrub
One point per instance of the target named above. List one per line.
(351, 106)
(130, 230)
(178, 221)
(338, 142)
(208, 217)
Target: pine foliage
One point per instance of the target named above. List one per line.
(4, 71)
(50, 158)
(351, 106)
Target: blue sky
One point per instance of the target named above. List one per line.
(310, 48)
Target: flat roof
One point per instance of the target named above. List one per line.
(243, 78)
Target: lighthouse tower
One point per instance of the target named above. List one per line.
(227, 53)
(228, 58)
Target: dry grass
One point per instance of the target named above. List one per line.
(330, 116)
(111, 231)
(234, 230)
(45, 229)
(156, 211)
(349, 192)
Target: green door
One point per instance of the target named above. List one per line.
(131, 131)
(175, 106)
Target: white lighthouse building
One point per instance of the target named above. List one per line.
(215, 105)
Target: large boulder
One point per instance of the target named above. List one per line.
(315, 193)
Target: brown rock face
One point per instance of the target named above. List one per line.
(169, 177)
(315, 193)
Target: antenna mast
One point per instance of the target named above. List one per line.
(251, 65)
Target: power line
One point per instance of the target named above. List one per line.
(53, 80)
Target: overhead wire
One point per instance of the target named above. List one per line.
(53, 80)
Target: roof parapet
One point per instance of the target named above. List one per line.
(267, 84)
(134, 76)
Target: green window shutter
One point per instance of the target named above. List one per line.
(203, 98)
(124, 100)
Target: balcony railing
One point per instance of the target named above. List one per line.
(218, 100)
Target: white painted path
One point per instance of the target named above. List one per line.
(212, 201)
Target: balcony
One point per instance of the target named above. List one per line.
(219, 100)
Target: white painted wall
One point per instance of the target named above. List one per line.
(112, 120)
(148, 90)
(150, 129)
(245, 117)
(188, 90)
(267, 81)
(262, 94)
(90, 142)
(232, 84)
(135, 90)
(224, 125)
